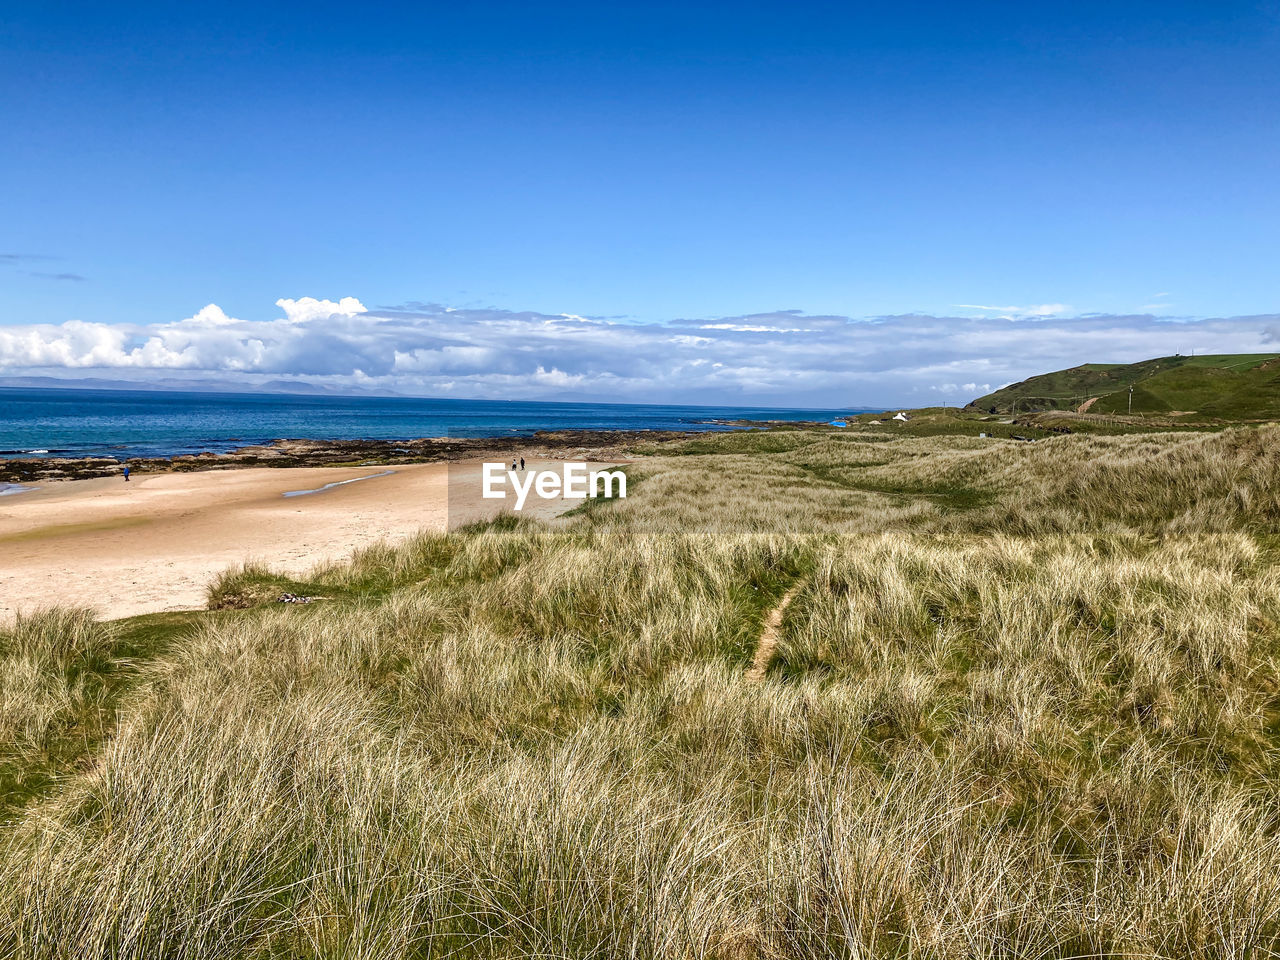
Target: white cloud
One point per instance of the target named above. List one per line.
(1035, 311)
(211, 316)
(779, 358)
(306, 309)
(754, 328)
(556, 378)
(688, 340)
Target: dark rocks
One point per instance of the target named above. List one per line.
(597, 444)
(58, 468)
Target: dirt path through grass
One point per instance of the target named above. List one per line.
(769, 636)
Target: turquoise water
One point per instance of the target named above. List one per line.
(131, 423)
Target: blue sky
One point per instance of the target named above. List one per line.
(664, 166)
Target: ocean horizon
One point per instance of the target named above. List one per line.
(74, 422)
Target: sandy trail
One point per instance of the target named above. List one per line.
(154, 543)
(769, 637)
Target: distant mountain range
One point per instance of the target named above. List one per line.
(298, 387)
(1243, 386)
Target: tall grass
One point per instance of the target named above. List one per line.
(1040, 721)
(47, 676)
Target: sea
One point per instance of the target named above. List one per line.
(59, 422)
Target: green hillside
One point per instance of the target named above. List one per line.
(1226, 386)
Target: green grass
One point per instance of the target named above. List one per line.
(1230, 384)
(752, 442)
(87, 684)
(855, 475)
(1233, 392)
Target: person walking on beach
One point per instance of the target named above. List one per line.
(522, 463)
(513, 464)
(126, 473)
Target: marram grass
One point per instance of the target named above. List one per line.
(1035, 719)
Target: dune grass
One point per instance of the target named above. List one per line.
(1040, 719)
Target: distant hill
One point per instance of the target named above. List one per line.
(1225, 386)
(297, 387)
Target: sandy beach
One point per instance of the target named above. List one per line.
(154, 543)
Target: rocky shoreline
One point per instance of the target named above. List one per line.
(547, 444)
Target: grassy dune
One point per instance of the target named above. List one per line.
(1024, 702)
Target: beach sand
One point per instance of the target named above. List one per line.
(153, 544)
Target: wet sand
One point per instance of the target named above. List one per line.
(153, 544)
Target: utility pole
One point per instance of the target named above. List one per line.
(1131, 399)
